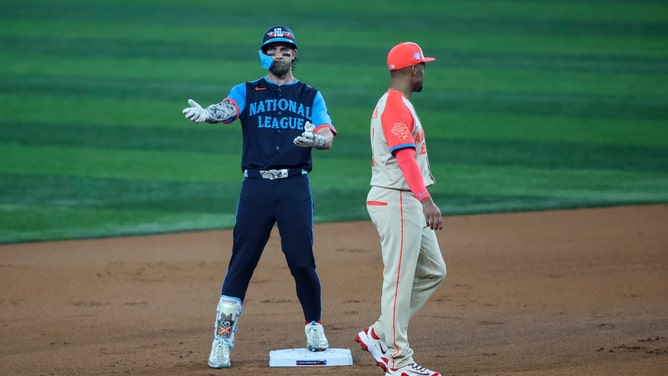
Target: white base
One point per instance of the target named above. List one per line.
(304, 357)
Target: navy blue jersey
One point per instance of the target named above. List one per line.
(271, 117)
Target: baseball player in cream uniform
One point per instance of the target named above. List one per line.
(404, 214)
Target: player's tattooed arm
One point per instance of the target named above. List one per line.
(219, 112)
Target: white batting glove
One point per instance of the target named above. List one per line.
(308, 139)
(195, 112)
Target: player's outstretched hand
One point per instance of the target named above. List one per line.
(195, 112)
(308, 139)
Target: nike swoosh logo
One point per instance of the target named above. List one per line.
(260, 88)
(384, 351)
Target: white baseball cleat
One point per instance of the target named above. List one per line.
(411, 370)
(315, 337)
(375, 346)
(220, 354)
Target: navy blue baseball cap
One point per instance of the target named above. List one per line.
(278, 34)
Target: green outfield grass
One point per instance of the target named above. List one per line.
(530, 105)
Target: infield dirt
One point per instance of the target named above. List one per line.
(571, 292)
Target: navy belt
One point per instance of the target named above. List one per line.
(274, 174)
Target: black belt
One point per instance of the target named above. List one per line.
(274, 174)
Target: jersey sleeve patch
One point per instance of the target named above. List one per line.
(400, 130)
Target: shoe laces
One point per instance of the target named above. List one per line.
(315, 331)
(222, 349)
(419, 368)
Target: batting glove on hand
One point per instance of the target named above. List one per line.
(195, 112)
(308, 139)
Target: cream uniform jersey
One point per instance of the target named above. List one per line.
(395, 125)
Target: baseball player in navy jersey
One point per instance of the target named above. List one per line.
(404, 214)
(282, 120)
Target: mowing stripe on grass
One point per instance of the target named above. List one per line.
(520, 61)
(453, 124)
(575, 105)
(556, 24)
(566, 104)
(511, 9)
(89, 48)
(533, 154)
(131, 164)
(39, 223)
(118, 194)
(525, 181)
(564, 18)
(92, 111)
(204, 139)
(217, 141)
(449, 124)
(162, 75)
(521, 41)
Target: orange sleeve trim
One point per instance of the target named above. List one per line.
(331, 128)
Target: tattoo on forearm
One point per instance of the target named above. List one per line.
(220, 111)
(319, 142)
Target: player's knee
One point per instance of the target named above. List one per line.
(301, 269)
(438, 276)
(443, 274)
